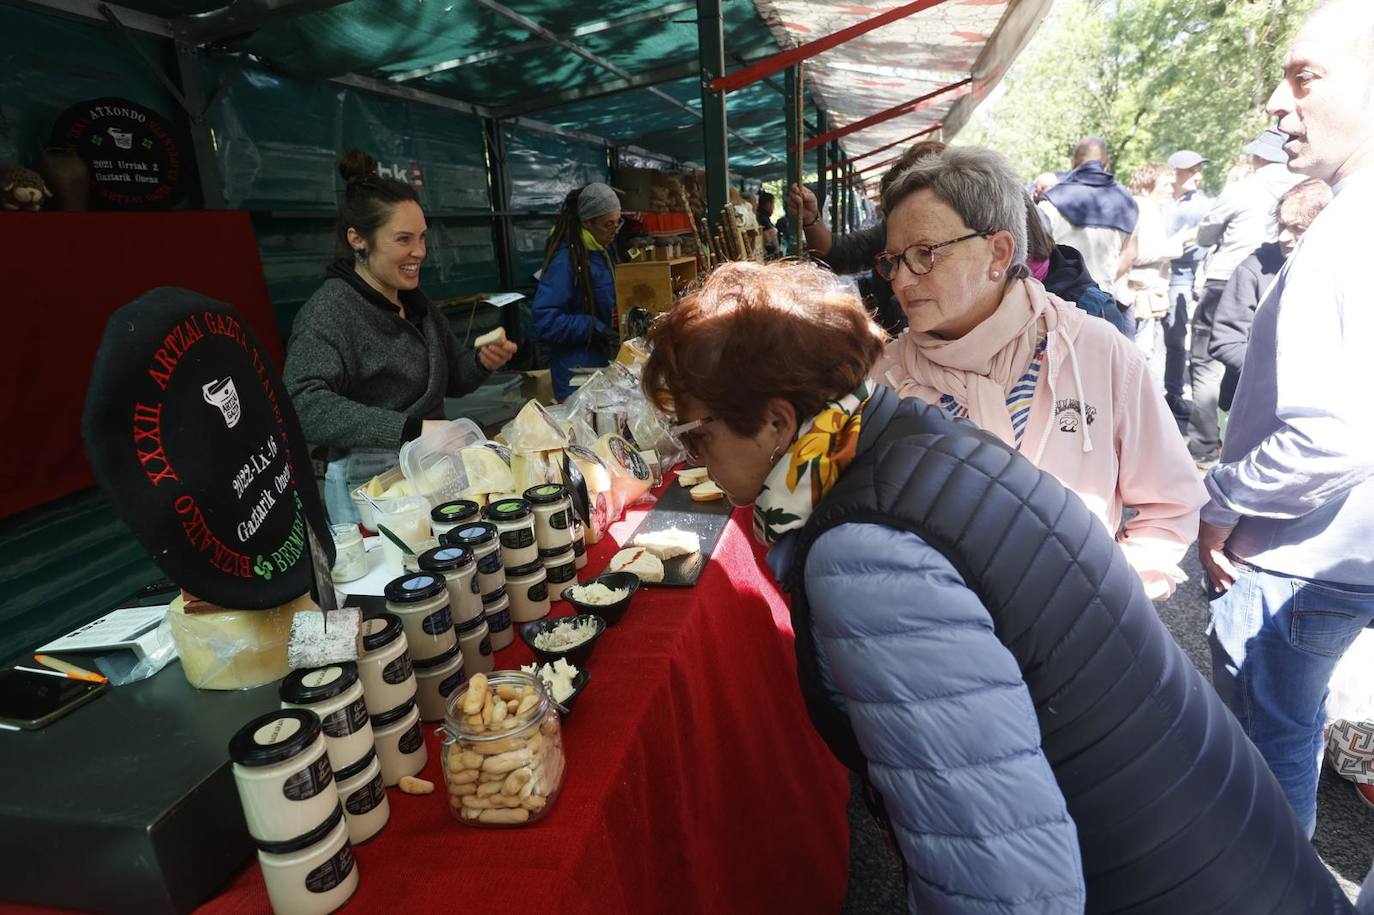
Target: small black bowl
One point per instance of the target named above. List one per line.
(611, 613)
(578, 654)
(578, 683)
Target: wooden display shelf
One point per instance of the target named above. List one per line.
(652, 285)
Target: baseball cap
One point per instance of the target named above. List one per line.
(1268, 146)
(1186, 158)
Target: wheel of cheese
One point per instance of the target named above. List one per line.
(234, 649)
(630, 476)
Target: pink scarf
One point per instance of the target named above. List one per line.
(978, 368)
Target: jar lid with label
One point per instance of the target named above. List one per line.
(546, 494)
(394, 715)
(310, 838)
(437, 660)
(508, 510)
(455, 512)
(415, 587)
(274, 737)
(306, 686)
(445, 559)
(344, 775)
(528, 568)
(471, 535)
(381, 630)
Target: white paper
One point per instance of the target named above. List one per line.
(502, 299)
(117, 629)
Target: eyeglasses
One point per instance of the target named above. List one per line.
(919, 259)
(691, 437)
(611, 227)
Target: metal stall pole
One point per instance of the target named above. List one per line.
(837, 157)
(711, 49)
(822, 166)
(793, 110)
(499, 187)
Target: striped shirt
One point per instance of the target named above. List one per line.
(1018, 399)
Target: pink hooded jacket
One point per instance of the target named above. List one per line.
(1127, 454)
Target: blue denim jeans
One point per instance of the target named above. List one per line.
(1275, 641)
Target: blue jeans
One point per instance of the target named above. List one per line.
(1275, 641)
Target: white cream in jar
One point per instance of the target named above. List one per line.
(283, 776)
(561, 571)
(335, 694)
(364, 799)
(400, 742)
(553, 529)
(528, 590)
(460, 576)
(314, 875)
(515, 521)
(421, 600)
(435, 679)
(385, 669)
(497, 613)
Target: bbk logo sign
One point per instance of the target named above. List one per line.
(411, 174)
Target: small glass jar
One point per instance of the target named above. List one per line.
(335, 693)
(400, 743)
(497, 613)
(385, 668)
(408, 518)
(410, 562)
(579, 544)
(448, 515)
(528, 589)
(474, 637)
(364, 799)
(313, 875)
(502, 771)
(283, 776)
(460, 574)
(350, 559)
(436, 679)
(421, 601)
(552, 518)
(514, 519)
(561, 572)
(482, 539)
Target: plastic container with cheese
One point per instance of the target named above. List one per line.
(433, 463)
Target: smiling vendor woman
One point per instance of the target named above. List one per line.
(371, 359)
(574, 307)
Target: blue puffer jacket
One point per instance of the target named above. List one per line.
(970, 635)
(562, 320)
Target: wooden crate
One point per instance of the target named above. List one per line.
(652, 285)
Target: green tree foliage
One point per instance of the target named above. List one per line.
(1149, 76)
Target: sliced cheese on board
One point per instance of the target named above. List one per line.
(669, 543)
(707, 492)
(692, 476)
(638, 561)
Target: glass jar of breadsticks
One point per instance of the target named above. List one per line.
(502, 750)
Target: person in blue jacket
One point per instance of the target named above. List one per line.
(574, 310)
(969, 636)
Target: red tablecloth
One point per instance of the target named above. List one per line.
(695, 781)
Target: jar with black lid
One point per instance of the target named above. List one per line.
(282, 774)
(483, 540)
(421, 600)
(448, 515)
(385, 668)
(514, 519)
(334, 693)
(312, 875)
(456, 564)
(400, 742)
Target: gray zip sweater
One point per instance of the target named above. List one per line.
(361, 376)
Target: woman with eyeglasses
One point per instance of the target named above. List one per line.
(574, 309)
(968, 636)
(988, 343)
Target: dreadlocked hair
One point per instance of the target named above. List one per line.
(568, 229)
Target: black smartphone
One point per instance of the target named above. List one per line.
(34, 700)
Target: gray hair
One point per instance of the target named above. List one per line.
(976, 183)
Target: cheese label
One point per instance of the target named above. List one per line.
(438, 623)
(399, 670)
(309, 782)
(449, 684)
(412, 739)
(366, 798)
(345, 721)
(332, 872)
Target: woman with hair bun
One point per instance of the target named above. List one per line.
(371, 359)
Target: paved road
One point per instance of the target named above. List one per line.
(1345, 826)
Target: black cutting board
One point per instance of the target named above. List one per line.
(675, 508)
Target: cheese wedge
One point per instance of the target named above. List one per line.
(490, 337)
(638, 561)
(707, 492)
(692, 476)
(670, 543)
(533, 429)
(486, 471)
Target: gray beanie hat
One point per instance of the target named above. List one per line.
(596, 199)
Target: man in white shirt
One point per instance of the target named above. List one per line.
(1288, 536)
(1089, 211)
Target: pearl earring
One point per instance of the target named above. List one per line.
(996, 274)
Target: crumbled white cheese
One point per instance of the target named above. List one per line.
(557, 677)
(596, 593)
(567, 634)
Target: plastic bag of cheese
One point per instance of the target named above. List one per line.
(597, 478)
(533, 429)
(630, 475)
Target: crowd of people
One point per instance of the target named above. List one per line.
(974, 484)
(941, 504)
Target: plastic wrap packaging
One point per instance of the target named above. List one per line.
(1352, 682)
(234, 649)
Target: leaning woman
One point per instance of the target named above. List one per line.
(574, 307)
(371, 359)
(968, 635)
(988, 342)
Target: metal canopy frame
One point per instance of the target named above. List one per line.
(907, 139)
(895, 111)
(243, 16)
